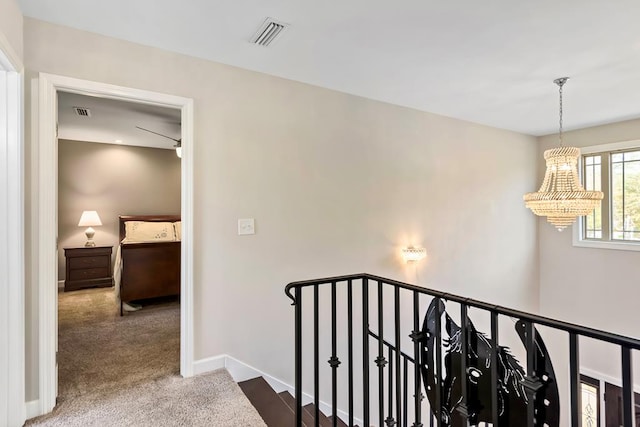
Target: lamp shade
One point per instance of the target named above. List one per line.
(89, 219)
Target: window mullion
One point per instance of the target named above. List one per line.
(606, 187)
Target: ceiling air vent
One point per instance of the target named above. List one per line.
(268, 32)
(82, 111)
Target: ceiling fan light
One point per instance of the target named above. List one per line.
(179, 151)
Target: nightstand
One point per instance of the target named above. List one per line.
(88, 267)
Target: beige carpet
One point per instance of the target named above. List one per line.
(124, 371)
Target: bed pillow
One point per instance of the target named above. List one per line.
(142, 231)
(177, 228)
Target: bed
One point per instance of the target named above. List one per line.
(148, 267)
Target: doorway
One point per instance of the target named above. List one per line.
(110, 169)
(45, 241)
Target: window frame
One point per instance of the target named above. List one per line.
(578, 239)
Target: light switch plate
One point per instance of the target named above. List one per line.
(246, 226)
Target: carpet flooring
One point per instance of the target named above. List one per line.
(124, 371)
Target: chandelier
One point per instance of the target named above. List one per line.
(561, 197)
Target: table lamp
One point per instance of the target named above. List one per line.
(89, 219)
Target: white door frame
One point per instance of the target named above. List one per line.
(46, 176)
(12, 284)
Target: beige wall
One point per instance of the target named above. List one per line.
(11, 23)
(336, 183)
(594, 287)
(112, 180)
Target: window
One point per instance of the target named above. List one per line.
(615, 170)
(590, 401)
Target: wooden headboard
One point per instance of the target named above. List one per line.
(148, 218)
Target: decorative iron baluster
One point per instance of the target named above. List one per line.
(389, 421)
(531, 382)
(438, 368)
(495, 379)
(574, 374)
(380, 361)
(334, 362)
(396, 299)
(627, 388)
(405, 389)
(416, 337)
(463, 407)
(298, 355)
(350, 346)
(316, 356)
(365, 352)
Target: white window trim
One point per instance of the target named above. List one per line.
(578, 241)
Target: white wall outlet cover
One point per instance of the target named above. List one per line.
(246, 226)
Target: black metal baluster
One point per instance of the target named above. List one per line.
(334, 362)
(298, 356)
(380, 361)
(574, 373)
(627, 388)
(464, 360)
(531, 382)
(365, 352)
(405, 387)
(495, 343)
(316, 355)
(389, 420)
(350, 344)
(416, 337)
(438, 368)
(396, 300)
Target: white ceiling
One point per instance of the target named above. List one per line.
(114, 122)
(491, 62)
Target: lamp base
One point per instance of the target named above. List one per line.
(90, 232)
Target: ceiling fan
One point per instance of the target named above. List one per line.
(178, 145)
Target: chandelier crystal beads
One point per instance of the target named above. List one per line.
(561, 198)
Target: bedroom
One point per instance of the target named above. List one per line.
(108, 168)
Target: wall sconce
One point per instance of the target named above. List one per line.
(89, 219)
(413, 254)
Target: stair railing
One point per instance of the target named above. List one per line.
(426, 363)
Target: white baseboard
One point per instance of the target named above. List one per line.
(241, 371)
(209, 364)
(60, 284)
(32, 408)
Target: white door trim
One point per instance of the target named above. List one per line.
(12, 284)
(46, 235)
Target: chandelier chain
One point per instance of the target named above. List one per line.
(560, 82)
(560, 121)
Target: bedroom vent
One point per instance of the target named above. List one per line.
(82, 111)
(268, 32)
